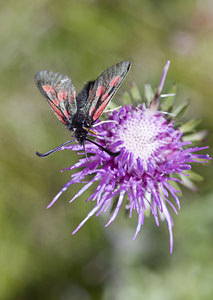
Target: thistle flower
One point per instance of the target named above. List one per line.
(154, 157)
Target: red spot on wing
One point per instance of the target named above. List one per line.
(58, 112)
(114, 81)
(50, 93)
(66, 113)
(100, 91)
(92, 110)
(105, 96)
(100, 94)
(48, 89)
(55, 101)
(62, 95)
(73, 95)
(100, 109)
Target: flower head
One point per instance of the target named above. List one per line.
(154, 156)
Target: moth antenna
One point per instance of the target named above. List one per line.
(114, 154)
(53, 150)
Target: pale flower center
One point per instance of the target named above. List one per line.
(140, 134)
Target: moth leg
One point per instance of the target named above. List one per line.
(90, 130)
(107, 121)
(85, 151)
(111, 110)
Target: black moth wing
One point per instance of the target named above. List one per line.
(59, 92)
(105, 86)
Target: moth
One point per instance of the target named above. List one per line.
(79, 113)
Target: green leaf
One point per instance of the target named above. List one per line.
(190, 126)
(180, 110)
(148, 93)
(167, 102)
(188, 183)
(127, 98)
(194, 137)
(175, 185)
(194, 176)
(136, 96)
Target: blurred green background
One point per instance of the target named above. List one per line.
(39, 258)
